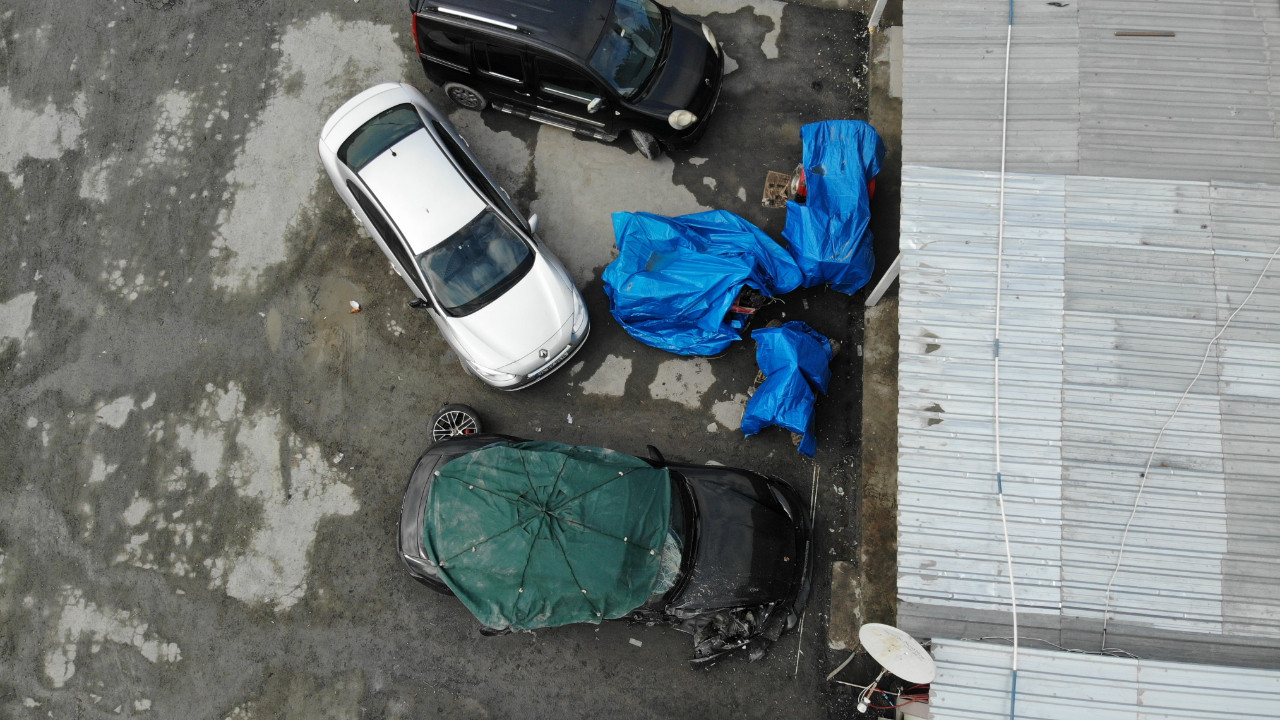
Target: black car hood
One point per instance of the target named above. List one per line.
(689, 74)
(749, 550)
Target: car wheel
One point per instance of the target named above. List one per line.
(465, 97)
(454, 420)
(647, 144)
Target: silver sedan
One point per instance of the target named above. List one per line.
(505, 305)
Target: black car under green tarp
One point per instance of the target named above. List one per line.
(539, 534)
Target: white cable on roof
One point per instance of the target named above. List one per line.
(1106, 611)
(1004, 522)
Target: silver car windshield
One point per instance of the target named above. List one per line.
(628, 50)
(476, 264)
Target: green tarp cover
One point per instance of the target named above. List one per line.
(540, 534)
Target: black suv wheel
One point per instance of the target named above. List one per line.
(465, 97)
(647, 144)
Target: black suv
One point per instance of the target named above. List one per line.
(598, 68)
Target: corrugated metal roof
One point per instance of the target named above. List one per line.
(1112, 290)
(974, 683)
(1201, 105)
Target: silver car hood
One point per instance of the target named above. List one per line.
(520, 322)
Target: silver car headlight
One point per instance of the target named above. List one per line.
(710, 36)
(495, 376)
(681, 119)
(579, 315)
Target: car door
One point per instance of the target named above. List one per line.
(443, 45)
(503, 69)
(390, 244)
(402, 261)
(569, 92)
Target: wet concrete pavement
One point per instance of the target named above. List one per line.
(202, 450)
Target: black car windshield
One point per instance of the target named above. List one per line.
(381, 132)
(677, 545)
(628, 50)
(476, 264)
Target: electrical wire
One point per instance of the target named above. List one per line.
(1004, 521)
(813, 517)
(1110, 652)
(1146, 470)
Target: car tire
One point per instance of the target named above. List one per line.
(465, 97)
(453, 420)
(647, 144)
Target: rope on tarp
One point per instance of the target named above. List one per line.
(1004, 521)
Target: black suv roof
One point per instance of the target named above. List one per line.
(571, 25)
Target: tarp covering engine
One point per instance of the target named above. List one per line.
(829, 235)
(539, 534)
(795, 360)
(675, 279)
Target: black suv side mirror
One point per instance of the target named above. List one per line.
(595, 104)
(419, 304)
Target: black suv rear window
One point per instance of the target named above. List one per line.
(381, 132)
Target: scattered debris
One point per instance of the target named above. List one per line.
(716, 634)
(776, 189)
(636, 642)
(355, 306)
(569, 418)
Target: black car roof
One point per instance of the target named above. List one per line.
(571, 25)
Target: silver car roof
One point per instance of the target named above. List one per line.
(421, 190)
(414, 181)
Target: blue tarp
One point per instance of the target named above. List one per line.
(830, 234)
(795, 360)
(675, 278)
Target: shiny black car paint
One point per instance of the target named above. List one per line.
(746, 537)
(688, 75)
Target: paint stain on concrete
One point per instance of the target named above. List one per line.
(100, 469)
(118, 278)
(43, 133)
(82, 621)
(15, 315)
(683, 380)
(323, 62)
(173, 134)
(285, 488)
(574, 204)
(729, 412)
(610, 379)
(115, 413)
(273, 569)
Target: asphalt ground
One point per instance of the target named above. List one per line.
(202, 451)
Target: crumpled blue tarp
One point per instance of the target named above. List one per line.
(830, 234)
(795, 360)
(676, 278)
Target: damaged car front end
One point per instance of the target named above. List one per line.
(745, 567)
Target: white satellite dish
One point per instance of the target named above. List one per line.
(897, 653)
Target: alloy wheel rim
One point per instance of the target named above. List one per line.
(452, 424)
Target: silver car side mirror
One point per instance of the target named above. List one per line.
(533, 223)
